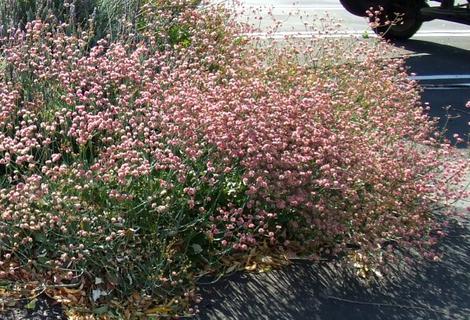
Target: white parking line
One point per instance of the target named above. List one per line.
(341, 34)
(463, 86)
(306, 7)
(441, 77)
(443, 33)
(302, 34)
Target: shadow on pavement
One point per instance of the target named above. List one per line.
(436, 58)
(305, 291)
(46, 309)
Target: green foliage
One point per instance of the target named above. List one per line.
(113, 18)
(15, 14)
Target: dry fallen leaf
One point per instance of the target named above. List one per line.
(265, 269)
(160, 310)
(251, 267)
(72, 291)
(233, 267)
(136, 296)
(267, 260)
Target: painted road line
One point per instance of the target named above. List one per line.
(304, 7)
(441, 77)
(461, 86)
(446, 85)
(443, 33)
(301, 34)
(339, 34)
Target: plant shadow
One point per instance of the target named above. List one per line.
(326, 291)
(44, 309)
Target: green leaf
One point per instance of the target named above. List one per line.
(100, 310)
(32, 304)
(39, 237)
(197, 248)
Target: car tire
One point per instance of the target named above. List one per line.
(408, 22)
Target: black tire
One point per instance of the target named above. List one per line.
(352, 6)
(406, 22)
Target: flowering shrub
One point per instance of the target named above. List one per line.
(127, 170)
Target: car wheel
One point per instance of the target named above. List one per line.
(405, 21)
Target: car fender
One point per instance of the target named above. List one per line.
(359, 7)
